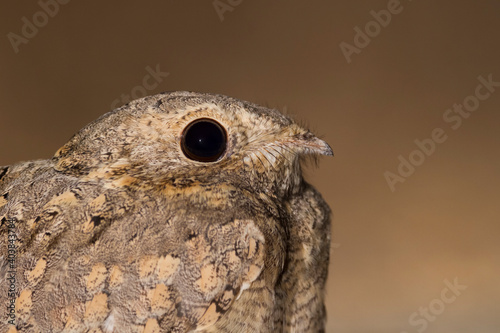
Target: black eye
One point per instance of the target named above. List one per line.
(204, 140)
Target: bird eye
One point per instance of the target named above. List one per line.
(204, 140)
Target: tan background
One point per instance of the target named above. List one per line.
(393, 250)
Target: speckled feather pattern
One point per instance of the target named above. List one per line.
(120, 232)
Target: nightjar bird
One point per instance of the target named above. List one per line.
(179, 212)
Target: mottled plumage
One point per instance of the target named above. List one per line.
(122, 232)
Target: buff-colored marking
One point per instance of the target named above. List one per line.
(37, 273)
(252, 248)
(209, 318)
(152, 326)
(208, 281)
(167, 266)
(101, 173)
(65, 198)
(97, 309)
(253, 273)
(96, 277)
(124, 181)
(160, 302)
(12, 329)
(148, 266)
(31, 223)
(24, 304)
(88, 226)
(98, 202)
(115, 276)
(3, 202)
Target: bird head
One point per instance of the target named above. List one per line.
(182, 138)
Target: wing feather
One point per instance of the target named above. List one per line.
(93, 255)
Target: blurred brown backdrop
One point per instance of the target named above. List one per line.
(393, 249)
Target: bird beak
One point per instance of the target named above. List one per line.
(307, 143)
(314, 145)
